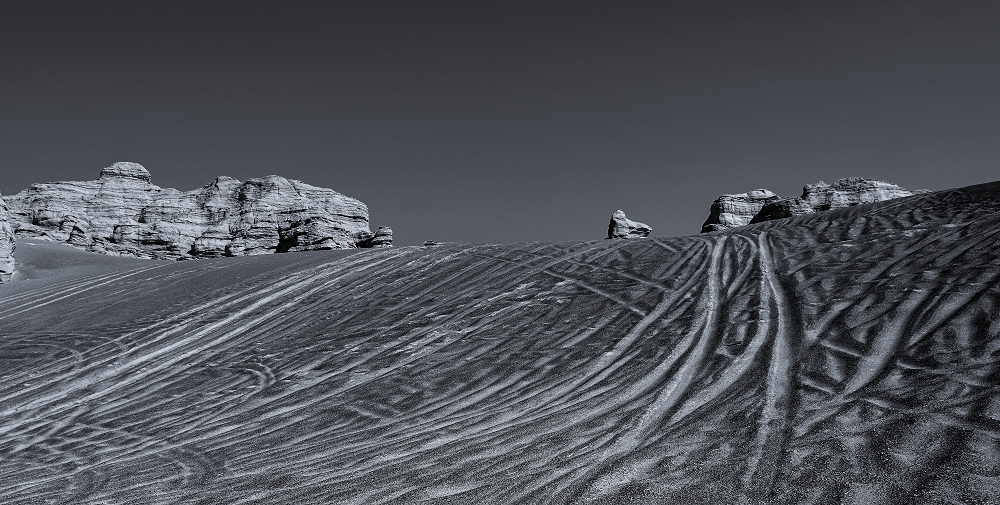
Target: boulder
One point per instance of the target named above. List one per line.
(125, 170)
(123, 213)
(6, 243)
(623, 227)
(731, 211)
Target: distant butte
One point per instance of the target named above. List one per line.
(731, 211)
(124, 214)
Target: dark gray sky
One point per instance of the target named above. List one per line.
(506, 121)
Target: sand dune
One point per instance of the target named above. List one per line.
(849, 356)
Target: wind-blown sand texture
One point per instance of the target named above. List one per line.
(848, 356)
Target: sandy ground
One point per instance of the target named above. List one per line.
(844, 357)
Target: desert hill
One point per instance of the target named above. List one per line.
(846, 356)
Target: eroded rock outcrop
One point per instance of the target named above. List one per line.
(623, 227)
(381, 238)
(123, 213)
(730, 211)
(6, 243)
(822, 196)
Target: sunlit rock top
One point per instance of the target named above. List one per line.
(125, 170)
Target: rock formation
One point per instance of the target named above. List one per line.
(822, 196)
(123, 213)
(730, 211)
(623, 227)
(381, 238)
(6, 243)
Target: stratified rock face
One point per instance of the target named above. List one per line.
(123, 213)
(382, 238)
(6, 243)
(730, 211)
(623, 227)
(822, 196)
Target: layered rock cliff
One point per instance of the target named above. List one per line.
(730, 211)
(6, 243)
(623, 227)
(123, 213)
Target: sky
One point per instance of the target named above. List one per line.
(506, 121)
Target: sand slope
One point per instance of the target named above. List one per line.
(843, 357)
